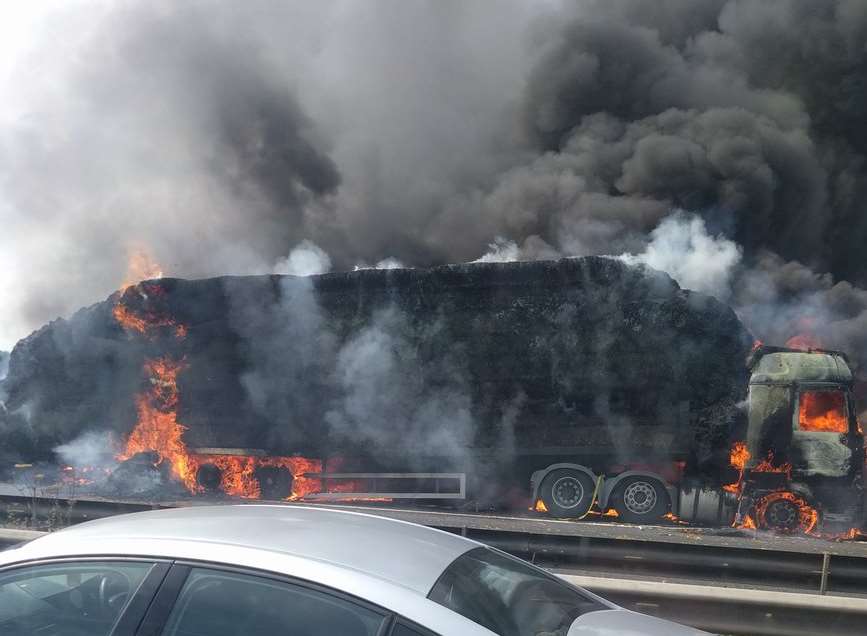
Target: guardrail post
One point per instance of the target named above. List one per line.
(826, 562)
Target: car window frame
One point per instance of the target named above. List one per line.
(136, 607)
(156, 618)
(550, 576)
(402, 621)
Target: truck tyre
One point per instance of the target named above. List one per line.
(275, 483)
(781, 516)
(641, 500)
(209, 477)
(567, 493)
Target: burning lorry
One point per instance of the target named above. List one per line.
(580, 385)
(799, 469)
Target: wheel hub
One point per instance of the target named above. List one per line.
(782, 514)
(639, 497)
(567, 492)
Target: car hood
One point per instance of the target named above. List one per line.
(621, 622)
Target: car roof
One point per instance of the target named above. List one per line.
(402, 553)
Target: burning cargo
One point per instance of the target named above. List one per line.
(601, 380)
(504, 366)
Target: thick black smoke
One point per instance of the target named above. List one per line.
(221, 136)
(752, 116)
(749, 113)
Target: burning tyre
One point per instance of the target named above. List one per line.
(786, 512)
(209, 477)
(274, 482)
(567, 493)
(641, 500)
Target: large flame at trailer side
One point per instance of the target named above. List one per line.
(157, 428)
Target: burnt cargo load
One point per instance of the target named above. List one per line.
(498, 368)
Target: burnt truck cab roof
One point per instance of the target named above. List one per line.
(780, 365)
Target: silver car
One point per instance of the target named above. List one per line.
(256, 570)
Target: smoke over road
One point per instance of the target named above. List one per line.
(223, 136)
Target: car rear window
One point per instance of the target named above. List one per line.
(508, 596)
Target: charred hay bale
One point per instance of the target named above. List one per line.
(585, 353)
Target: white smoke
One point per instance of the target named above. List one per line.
(390, 263)
(305, 259)
(91, 448)
(390, 395)
(386, 263)
(500, 251)
(682, 247)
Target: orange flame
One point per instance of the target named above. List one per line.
(157, 428)
(738, 458)
(823, 411)
(852, 534)
(739, 455)
(804, 342)
(808, 516)
(767, 466)
(140, 266)
(540, 506)
(145, 321)
(670, 516)
(238, 477)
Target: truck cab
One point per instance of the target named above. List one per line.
(806, 448)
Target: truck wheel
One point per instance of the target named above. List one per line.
(567, 493)
(274, 482)
(782, 516)
(209, 477)
(641, 500)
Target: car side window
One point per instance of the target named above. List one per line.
(217, 603)
(71, 599)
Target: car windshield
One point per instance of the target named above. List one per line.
(510, 597)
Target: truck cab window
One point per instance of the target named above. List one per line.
(823, 411)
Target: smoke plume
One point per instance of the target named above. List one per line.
(682, 247)
(223, 136)
(305, 259)
(392, 397)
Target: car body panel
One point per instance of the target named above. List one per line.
(391, 596)
(404, 553)
(622, 622)
(389, 563)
